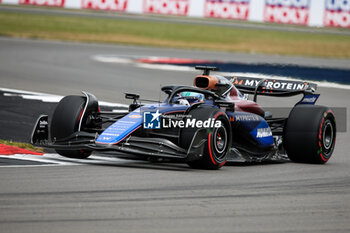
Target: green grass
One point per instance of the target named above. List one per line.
(174, 35)
(22, 145)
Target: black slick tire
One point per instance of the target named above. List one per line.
(218, 139)
(65, 121)
(310, 134)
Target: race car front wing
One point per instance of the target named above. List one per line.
(141, 146)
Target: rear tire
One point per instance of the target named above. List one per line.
(65, 121)
(310, 134)
(218, 139)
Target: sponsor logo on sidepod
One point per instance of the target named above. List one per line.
(263, 133)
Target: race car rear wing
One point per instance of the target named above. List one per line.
(272, 87)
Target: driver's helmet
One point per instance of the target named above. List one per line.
(192, 97)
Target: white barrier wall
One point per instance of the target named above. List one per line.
(329, 13)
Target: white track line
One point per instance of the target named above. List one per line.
(49, 98)
(57, 160)
(46, 159)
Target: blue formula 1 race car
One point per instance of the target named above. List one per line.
(205, 125)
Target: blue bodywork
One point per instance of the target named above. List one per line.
(309, 99)
(134, 120)
(251, 123)
(255, 125)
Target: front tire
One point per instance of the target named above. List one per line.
(310, 134)
(65, 121)
(218, 139)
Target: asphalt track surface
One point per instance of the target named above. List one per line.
(135, 196)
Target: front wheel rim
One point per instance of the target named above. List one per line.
(220, 140)
(328, 135)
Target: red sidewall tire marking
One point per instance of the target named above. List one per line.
(209, 143)
(320, 135)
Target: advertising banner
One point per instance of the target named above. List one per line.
(56, 3)
(337, 13)
(110, 5)
(227, 9)
(318, 13)
(287, 11)
(166, 7)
